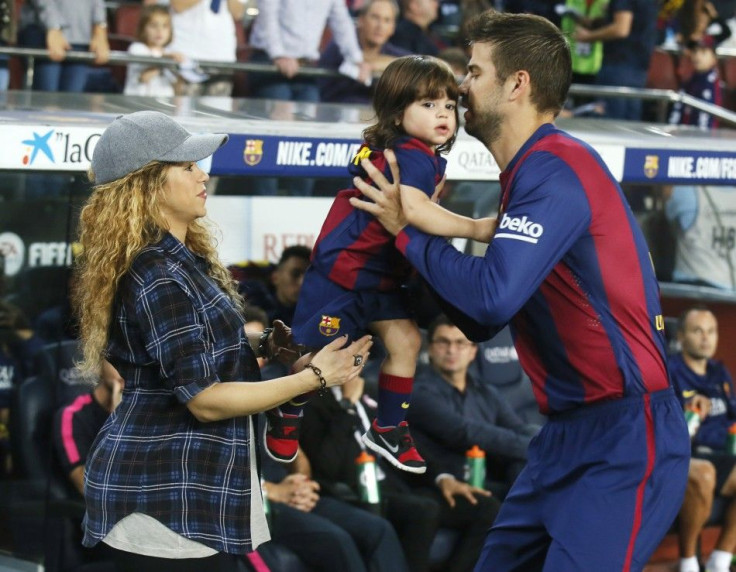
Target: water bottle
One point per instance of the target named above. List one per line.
(475, 467)
(731, 443)
(370, 494)
(692, 418)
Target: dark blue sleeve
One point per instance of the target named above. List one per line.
(417, 169)
(331, 58)
(457, 431)
(548, 211)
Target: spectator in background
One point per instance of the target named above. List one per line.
(288, 33)
(60, 26)
(76, 425)
(279, 299)
(699, 18)
(629, 37)
(469, 9)
(705, 83)
(587, 57)
(543, 8)
(457, 59)
(18, 346)
(705, 384)
(376, 24)
(412, 32)
(154, 34)
(328, 534)
(205, 30)
(8, 31)
(416, 505)
(59, 323)
(472, 411)
(702, 218)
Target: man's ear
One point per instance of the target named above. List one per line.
(520, 84)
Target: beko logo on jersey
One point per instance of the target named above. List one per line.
(519, 229)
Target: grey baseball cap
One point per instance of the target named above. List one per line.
(134, 140)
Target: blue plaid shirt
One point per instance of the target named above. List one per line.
(174, 333)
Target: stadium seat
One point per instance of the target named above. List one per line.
(662, 71)
(125, 19)
(497, 363)
(56, 364)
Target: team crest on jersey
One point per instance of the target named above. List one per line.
(363, 153)
(329, 325)
(727, 389)
(253, 152)
(651, 166)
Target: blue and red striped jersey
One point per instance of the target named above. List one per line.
(353, 249)
(568, 268)
(717, 385)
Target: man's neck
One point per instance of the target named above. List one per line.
(421, 22)
(370, 50)
(698, 365)
(516, 132)
(457, 379)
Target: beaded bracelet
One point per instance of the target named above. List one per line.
(322, 380)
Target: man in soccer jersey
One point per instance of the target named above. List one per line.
(705, 384)
(569, 269)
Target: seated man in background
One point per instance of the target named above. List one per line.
(471, 412)
(279, 298)
(376, 24)
(19, 345)
(705, 385)
(416, 505)
(326, 533)
(76, 425)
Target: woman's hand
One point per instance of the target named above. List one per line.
(341, 365)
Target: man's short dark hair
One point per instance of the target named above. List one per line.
(295, 251)
(253, 313)
(686, 312)
(440, 320)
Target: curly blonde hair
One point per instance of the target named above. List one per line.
(119, 220)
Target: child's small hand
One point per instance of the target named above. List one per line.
(485, 228)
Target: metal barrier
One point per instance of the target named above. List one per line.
(124, 58)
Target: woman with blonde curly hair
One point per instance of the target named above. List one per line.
(171, 480)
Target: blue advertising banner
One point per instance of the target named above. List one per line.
(284, 156)
(679, 166)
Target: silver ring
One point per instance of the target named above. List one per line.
(358, 361)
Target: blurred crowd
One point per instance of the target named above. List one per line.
(612, 42)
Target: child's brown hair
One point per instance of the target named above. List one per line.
(147, 15)
(405, 80)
